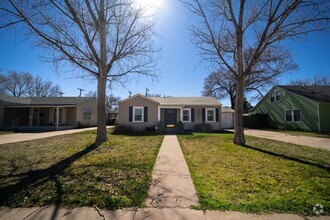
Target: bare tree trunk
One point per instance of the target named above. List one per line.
(238, 117)
(101, 113)
(101, 136)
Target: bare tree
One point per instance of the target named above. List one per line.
(23, 84)
(105, 39)
(15, 84)
(222, 84)
(154, 95)
(244, 37)
(318, 80)
(112, 102)
(41, 88)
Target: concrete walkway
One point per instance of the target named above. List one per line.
(19, 137)
(172, 186)
(323, 143)
(53, 213)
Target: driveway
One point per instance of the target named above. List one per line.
(19, 137)
(323, 143)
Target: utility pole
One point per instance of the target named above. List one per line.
(80, 91)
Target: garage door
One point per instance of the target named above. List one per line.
(227, 120)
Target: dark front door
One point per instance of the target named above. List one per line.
(170, 117)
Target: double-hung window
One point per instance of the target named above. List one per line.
(293, 115)
(186, 115)
(275, 96)
(137, 114)
(210, 115)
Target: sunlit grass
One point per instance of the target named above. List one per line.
(231, 177)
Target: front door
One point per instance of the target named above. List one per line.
(170, 117)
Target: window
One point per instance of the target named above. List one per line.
(293, 115)
(288, 115)
(137, 114)
(296, 115)
(210, 115)
(87, 114)
(275, 96)
(186, 115)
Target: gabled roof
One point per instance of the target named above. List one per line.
(196, 101)
(50, 101)
(227, 109)
(138, 95)
(315, 93)
(178, 101)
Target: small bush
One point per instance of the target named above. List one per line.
(203, 127)
(123, 129)
(160, 128)
(179, 127)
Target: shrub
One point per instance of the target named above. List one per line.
(179, 127)
(203, 127)
(123, 129)
(160, 128)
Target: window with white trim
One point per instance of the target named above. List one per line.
(275, 96)
(137, 114)
(186, 115)
(293, 115)
(210, 115)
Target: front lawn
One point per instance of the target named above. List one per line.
(231, 177)
(69, 171)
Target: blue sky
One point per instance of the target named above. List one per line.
(182, 74)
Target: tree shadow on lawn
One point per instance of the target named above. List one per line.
(34, 176)
(323, 166)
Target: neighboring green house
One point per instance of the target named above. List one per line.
(297, 108)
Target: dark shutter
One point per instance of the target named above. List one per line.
(192, 115)
(145, 114)
(217, 114)
(130, 114)
(203, 114)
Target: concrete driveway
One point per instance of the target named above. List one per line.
(19, 137)
(323, 143)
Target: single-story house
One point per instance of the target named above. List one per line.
(297, 108)
(227, 117)
(140, 112)
(47, 113)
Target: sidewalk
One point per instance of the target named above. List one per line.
(288, 138)
(52, 213)
(19, 137)
(172, 186)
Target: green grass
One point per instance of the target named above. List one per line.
(231, 177)
(69, 171)
(304, 133)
